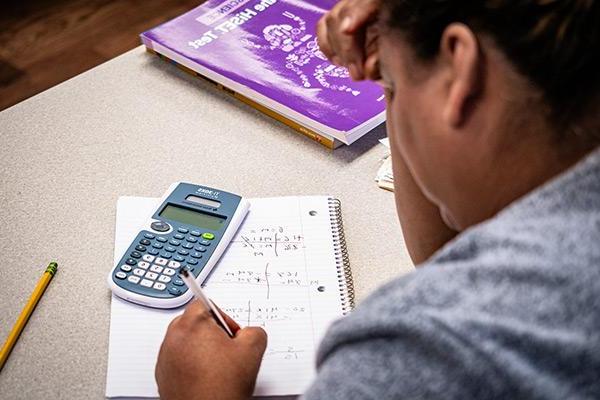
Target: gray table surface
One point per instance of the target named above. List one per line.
(132, 126)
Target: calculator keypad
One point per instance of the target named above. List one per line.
(153, 261)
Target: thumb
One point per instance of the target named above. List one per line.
(254, 339)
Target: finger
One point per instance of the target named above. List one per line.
(357, 15)
(253, 338)
(196, 311)
(228, 320)
(323, 40)
(372, 67)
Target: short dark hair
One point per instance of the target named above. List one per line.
(553, 43)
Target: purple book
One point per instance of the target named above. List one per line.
(267, 51)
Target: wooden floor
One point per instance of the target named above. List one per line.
(45, 42)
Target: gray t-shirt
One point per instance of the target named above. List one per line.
(510, 309)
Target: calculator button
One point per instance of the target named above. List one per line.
(162, 239)
(170, 248)
(177, 282)
(154, 252)
(178, 236)
(196, 254)
(149, 236)
(195, 233)
(201, 249)
(133, 279)
(169, 272)
(151, 275)
(125, 268)
(131, 261)
(174, 242)
(136, 254)
(174, 291)
(188, 246)
(156, 268)
(164, 278)
(208, 236)
(121, 274)
(183, 252)
(165, 254)
(145, 242)
(205, 242)
(139, 272)
(159, 286)
(143, 264)
(191, 239)
(182, 230)
(161, 261)
(174, 264)
(141, 248)
(146, 282)
(192, 261)
(160, 226)
(157, 245)
(178, 258)
(148, 257)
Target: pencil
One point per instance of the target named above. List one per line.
(26, 313)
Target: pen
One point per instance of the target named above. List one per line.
(26, 313)
(199, 294)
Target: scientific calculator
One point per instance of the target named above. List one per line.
(190, 229)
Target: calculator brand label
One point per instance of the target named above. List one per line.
(207, 192)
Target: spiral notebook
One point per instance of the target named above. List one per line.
(287, 270)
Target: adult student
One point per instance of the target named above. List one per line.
(494, 125)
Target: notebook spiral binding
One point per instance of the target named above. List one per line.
(342, 261)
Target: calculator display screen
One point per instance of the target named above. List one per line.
(191, 217)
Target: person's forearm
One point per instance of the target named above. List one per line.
(422, 226)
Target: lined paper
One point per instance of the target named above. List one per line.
(279, 272)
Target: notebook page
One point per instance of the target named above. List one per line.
(279, 272)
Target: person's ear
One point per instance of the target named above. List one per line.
(460, 53)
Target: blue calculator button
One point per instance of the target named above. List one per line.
(183, 252)
(165, 254)
(191, 239)
(145, 242)
(170, 248)
(174, 242)
(178, 282)
(149, 236)
(162, 239)
(182, 230)
(154, 252)
(174, 291)
(195, 233)
(160, 226)
(136, 254)
(139, 247)
(192, 261)
(157, 245)
(131, 261)
(201, 249)
(196, 254)
(205, 242)
(178, 236)
(178, 258)
(187, 246)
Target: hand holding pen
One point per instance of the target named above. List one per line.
(198, 357)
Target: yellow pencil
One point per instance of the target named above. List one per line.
(26, 313)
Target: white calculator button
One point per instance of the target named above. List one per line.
(125, 268)
(164, 279)
(148, 257)
(146, 282)
(133, 279)
(143, 264)
(174, 264)
(169, 271)
(156, 268)
(139, 272)
(151, 275)
(161, 261)
(159, 286)
(122, 275)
